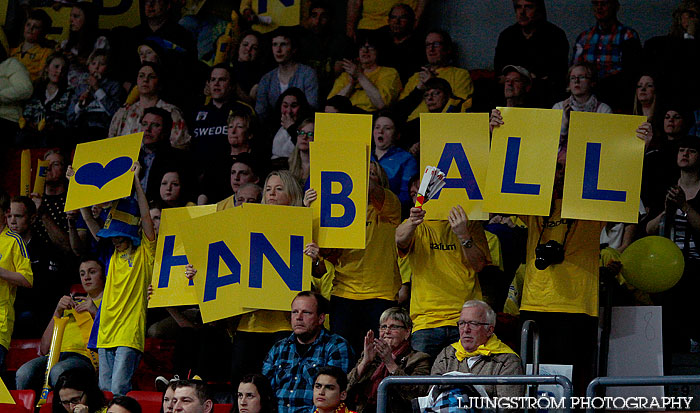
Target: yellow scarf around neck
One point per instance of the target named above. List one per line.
(492, 346)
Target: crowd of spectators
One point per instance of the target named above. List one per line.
(239, 131)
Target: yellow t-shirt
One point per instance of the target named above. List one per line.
(495, 249)
(123, 311)
(372, 272)
(33, 59)
(265, 321)
(385, 79)
(459, 80)
(13, 257)
(375, 13)
(442, 278)
(569, 287)
(73, 338)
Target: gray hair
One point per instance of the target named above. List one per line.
(398, 314)
(488, 311)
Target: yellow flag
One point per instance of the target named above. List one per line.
(458, 145)
(522, 162)
(40, 180)
(103, 170)
(339, 176)
(603, 168)
(170, 287)
(248, 258)
(5, 396)
(113, 14)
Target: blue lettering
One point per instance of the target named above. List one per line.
(467, 179)
(169, 260)
(341, 198)
(509, 186)
(262, 5)
(213, 281)
(292, 275)
(591, 172)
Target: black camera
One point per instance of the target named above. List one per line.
(549, 253)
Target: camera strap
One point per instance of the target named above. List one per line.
(545, 225)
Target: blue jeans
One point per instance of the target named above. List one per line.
(117, 366)
(433, 340)
(31, 375)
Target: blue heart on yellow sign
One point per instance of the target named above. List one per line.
(95, 174)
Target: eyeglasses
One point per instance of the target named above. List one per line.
(432, 94)
(392, 327)
(368, 47)
(471, 324)
(301, 134)
(399, 17)
(74, 400)
(579, 78)
(434, 44)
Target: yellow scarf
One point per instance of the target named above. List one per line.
(492, 346)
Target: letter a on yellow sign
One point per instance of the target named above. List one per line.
(603, 168)
(522, 162)
(170, 287)
(339, 176)
(248, 258)
(102, 171)
(458, 145)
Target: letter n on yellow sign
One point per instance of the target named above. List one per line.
(248, 258)
(170, 287)
(523, 161)
(103, 171)
(603, 168)
(339, 176)
(458, 144)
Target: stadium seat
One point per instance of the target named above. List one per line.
(150, 401)
(24, 398)
(20, 352)
(222, 408)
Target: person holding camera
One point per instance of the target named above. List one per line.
(560, 289)
(445, 257)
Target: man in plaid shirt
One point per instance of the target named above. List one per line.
(293, 363)
(613, 48)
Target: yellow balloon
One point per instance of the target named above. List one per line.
(653, 264)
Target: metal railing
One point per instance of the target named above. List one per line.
(530, 328)
(636, 381)
(382, 391)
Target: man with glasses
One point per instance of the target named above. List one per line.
(402, 46)
(614, 50)
(445, 257)
(479, 351)
(438, 53)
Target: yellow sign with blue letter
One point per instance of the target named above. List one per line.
(458, 145)
(603, 168)
(522, 162)
(280, 13)
(170, 287)
(339, 176)
(248, 258)
(103, 171)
